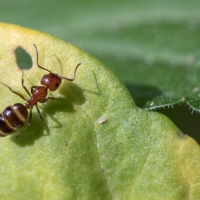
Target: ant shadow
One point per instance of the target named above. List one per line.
(70, 94)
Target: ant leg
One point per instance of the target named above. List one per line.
(72, 79)
(33, 87)
(52, 98)
(25, 88)
(39, 113)
(37, 60)
(27, 125)
(13, 91)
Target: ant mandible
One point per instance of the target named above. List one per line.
(14, 116)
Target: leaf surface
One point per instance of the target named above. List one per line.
(100, 146)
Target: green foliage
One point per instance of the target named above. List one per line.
(153, 47)
(133, 154)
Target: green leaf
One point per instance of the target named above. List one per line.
(100, 146)
(153, 46)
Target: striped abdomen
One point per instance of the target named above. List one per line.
(12, 118)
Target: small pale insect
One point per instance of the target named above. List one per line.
(102, 120)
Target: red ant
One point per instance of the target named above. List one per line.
(14, 116)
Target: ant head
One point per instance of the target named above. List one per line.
(51, 81)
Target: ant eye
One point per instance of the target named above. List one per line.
(57, 85)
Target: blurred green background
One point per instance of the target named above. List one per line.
(152, 46)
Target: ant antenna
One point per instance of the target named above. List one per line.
(69, 79)
(37, 60)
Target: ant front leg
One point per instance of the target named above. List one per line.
(25, 88)
(32, 89)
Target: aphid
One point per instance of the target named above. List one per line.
(13, 117)
(102, 120)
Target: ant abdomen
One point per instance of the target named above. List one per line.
(12, 118)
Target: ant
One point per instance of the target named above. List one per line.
(14, 116)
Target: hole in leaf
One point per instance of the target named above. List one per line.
(24, 60)
(185, 119)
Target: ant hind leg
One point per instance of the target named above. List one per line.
(20, 95)
(39, 113)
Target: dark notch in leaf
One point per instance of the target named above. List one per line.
(24, 60)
